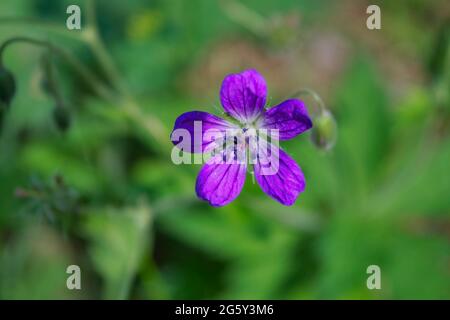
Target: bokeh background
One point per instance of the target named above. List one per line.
(103, 194)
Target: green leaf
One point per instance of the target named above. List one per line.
(118, 241)
(33, 265)
(363, 126)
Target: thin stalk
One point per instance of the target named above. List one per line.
(84, 72)
(130, 107)
(320, 105)
(35, 22)
(95, 42)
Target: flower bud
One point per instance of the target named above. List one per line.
(7, 87)
(61, 117)
(47, 81)
(324, 131)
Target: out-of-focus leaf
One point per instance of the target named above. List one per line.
(349, 245)
(259, 254)
(418, 268)
(33, 266)
(419, 186)
(48, 160)
(161, 177)
(222, 233)
(440, 54)
(263, 275)
(363, 125)
(118, 241)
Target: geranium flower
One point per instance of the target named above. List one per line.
(243, 97)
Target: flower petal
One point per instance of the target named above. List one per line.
(220, 182)
(243, 95)
(290, 118)
(198, 125)
(279, 175)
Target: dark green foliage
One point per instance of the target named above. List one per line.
(61, 117)
(7, 87)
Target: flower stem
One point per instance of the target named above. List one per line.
(84, 72)
(151, 124)
(320, 106)
(90, 36)
(36, 22)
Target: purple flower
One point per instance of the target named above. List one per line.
(243, 96)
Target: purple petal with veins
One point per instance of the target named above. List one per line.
(290, 118)
(243, 95)
(221, 179)
(286, 182)
(220, 182)
(200, 126)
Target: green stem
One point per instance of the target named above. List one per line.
(151, 124)
(320, 106)
(50, 26)
(84, 72)
(95, 42)
(52, 82)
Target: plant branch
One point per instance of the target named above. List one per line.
(85, 73)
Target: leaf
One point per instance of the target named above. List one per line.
(363, 127)
(119, 238)
(257, 252)
(33, 265)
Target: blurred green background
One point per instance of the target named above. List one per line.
(104, 194)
